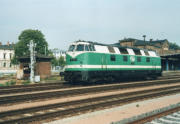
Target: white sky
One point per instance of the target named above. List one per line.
(105, 21)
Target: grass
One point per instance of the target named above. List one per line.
(10, 83)
(53, 78)
(26, 82)
(137, 105)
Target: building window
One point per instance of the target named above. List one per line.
(4, 65)
(4, 55)
(138, 59)
(125, 58)
(113, 58)
(10, 55)
(147, 59)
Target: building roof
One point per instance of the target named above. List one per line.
(39, 58)
(159, 41)
(7, 47)
(176, 55)
(144, 43)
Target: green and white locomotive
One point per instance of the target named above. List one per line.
(90, 61)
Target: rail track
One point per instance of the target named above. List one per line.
(70, 108)
(52, 86)
(172, 119)
(7, 99)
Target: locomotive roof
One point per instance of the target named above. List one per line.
(114, 45)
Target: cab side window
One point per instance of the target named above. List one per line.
(125, 58)
(138, 59)
(113, 58)
(147, 59)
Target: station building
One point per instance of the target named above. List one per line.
(170, 58)
(42, 67)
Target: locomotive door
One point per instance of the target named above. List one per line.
(103, 62)
(154, 64)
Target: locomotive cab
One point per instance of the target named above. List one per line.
(76, 60)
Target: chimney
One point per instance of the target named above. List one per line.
(144, 36)
(8, 43)
(0, 43)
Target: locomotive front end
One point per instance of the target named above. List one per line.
(76, 61)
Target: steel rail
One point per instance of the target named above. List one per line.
(45, 86)
(57, 94)
(50, 86)
(155, 116)
(116, 100)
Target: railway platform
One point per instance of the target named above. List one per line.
(108, 116)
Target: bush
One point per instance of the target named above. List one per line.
(26, 82)
(137, 105)
(9, 83)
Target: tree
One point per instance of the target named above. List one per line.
(61, 61)
(54, 61)
(173, 46)
(21, 47)
(58, 61)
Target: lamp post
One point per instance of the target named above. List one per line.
(32, 58)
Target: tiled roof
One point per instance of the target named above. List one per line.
(143, 43)
(7, 47)
(151, 43)
(39, 58)
(158, 41)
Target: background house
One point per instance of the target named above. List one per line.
(160, 46)
(6, 54)
(42, 67)
(57, 53)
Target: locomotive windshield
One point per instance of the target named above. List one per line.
(80, 47)
(86, 48)
(91, 47)
(71, 48)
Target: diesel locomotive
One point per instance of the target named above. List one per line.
(90, 61)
